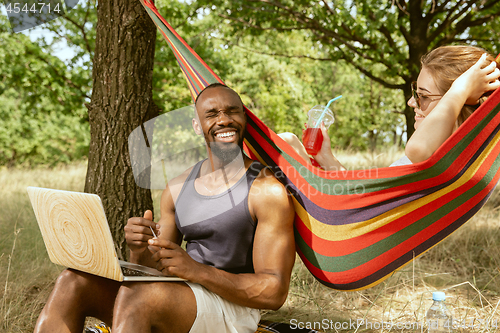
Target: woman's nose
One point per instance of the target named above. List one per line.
(412, 103)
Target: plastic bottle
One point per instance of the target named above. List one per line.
(438, 317)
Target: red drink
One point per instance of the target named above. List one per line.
(313, 139)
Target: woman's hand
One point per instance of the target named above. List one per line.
(325, 157)
(477, 80)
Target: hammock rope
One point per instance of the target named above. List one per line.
(354, 228)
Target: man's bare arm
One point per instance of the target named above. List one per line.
(138, 229)
(273, 253)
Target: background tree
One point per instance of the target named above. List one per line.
(42, 98)
(383, 39)
(115, 42)
(280, 90)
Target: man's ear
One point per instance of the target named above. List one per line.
(196, 127)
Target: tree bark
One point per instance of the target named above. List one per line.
(121, 101)
(409, 114)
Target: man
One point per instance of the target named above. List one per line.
(236, 261)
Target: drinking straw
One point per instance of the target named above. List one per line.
(324, 111)
(154, 234)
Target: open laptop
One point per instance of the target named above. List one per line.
(76, 234)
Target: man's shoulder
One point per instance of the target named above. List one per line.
(265, 174)
(269, 201)
(267, 186)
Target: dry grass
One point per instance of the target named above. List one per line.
(465, 266)
(26, 274)
(368, 160)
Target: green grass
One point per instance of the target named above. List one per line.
(465, 265)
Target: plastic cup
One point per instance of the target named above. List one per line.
(313, 138)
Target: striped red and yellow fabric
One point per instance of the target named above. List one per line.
(354, 228)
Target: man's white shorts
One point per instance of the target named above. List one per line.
(217, 315)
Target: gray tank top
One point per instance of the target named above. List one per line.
(218, 229)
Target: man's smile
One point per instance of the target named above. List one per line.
(227, 135)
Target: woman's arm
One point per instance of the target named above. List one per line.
(440, 123)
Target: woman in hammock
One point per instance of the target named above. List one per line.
(453, 82)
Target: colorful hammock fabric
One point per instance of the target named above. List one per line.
(355, 228)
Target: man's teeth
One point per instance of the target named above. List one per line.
(225, 134)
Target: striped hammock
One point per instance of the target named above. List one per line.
(354, 228)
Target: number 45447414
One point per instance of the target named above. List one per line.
(39, 7)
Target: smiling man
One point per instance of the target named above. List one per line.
(225, 127)
(237, 220)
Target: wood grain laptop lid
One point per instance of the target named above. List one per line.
(75, 231)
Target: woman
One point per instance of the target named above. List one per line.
(453, 82)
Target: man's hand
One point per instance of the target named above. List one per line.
(138, 232)
(171, 259)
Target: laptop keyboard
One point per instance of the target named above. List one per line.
(133, 272)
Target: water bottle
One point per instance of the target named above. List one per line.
(438, 317)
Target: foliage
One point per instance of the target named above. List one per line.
(30, 68)
(280, 90)
(265, 83)
(43, 119)
(383, 39)
(169, 88)
(369, 116)
(32, 137)
(283, 57)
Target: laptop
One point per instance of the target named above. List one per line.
(76, 234)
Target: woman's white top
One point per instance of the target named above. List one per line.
(402, 161)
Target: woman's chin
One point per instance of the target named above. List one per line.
(417, 123)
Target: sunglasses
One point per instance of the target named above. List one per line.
(422, 101)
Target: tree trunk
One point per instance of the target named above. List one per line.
(409, 112)
(410, 122)
(121, 101)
